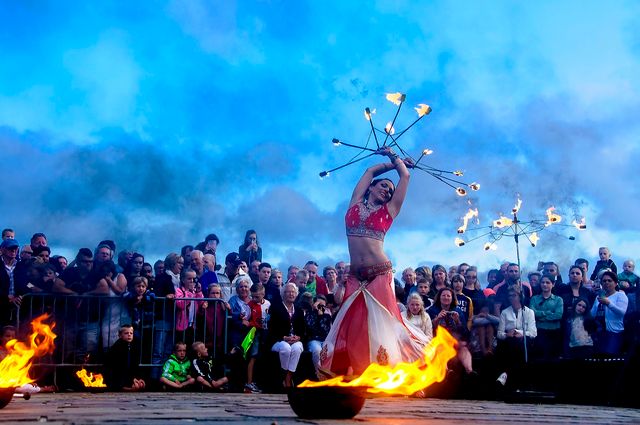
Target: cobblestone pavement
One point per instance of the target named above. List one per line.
(160, 408)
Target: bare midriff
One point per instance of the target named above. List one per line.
(365, 252)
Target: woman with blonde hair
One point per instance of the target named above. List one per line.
(415, 315)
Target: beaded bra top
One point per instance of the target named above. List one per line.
(364, 222)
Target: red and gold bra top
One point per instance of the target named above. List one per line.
(366, 222)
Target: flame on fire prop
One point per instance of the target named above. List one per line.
(465, 220)
(403, 378)
(389, 132)
(14, 369)
(90, 380)
(514, 227)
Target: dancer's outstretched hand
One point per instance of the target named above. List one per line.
(408, 162)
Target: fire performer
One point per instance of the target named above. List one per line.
(369, 328)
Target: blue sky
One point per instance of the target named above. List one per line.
(156, 123)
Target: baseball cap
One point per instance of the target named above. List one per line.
(9, 243)
(233, 258)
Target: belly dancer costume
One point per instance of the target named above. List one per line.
(369, 328)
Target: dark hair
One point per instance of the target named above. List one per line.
(548, 276)
(7, 230)
(611, 274)
(84, 252)
(263, 265)
(580, 261)
(454, 299)
(211, 237)
(246, 237)
(183, 251)
(39, 249)
(576, 267)
(256, 287)
(38, 235)
(311, 262)
(375, 182)
(105, 268)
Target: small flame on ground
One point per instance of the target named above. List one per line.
(389, 130)
(403, 378)
(534, 238)
(14, 368)
(396, 98)
(465, 220)
(582, 225)
(517, 207)
(552, 218)
(459, 241)
(502, 222)
(423, 110)
(90, 380)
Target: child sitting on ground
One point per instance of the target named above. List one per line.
(175, 372)
(204, 370)
(122, 363)
(259, 319)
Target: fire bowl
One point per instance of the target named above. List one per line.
(6, 394)
(327, 402)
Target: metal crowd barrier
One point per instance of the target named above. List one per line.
(86, 326)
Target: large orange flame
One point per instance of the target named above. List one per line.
(465, 220)
(552, 218)
(14, 369)
(90, 380)
(403, 378)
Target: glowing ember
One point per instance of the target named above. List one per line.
(403, 378)
(458, 173)
(502, 222)
(14, 369)
(517, 207)
(490, 246)
(459, 242)
(474, 186)
(582, 225)
(465, 220)
(389, 129)
(368, 112)
(90, 380)
(534, 239)
(427, 152)
(396, 98)
(552, 218)
(461, 191)
(423, 110)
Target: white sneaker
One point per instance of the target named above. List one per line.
(502, 379)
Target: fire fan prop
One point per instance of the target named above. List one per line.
(14, 368)
(391, 136)
(514, 227)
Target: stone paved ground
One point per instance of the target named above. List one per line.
(160, 408)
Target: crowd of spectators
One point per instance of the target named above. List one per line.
(186, 305)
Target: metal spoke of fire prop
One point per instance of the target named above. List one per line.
(389, 138)
(513, 227)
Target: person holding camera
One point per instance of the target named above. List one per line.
(250, 250)
(445, 313)
(317, 326)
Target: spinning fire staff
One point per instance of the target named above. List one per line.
(514, 227)
(450, 178)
